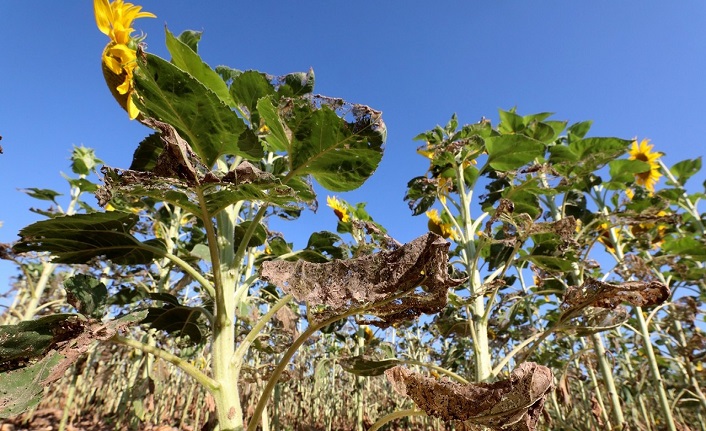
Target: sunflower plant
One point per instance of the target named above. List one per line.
(181, 264)
(530, 206)
(228, 150)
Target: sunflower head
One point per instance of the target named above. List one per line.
(438, 226)
(643, 152)
(119, 58)
(339, 208)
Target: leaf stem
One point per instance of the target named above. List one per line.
(395, 415)
(207, 382)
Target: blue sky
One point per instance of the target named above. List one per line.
(636, 68)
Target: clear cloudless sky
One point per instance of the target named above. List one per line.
(636, 68)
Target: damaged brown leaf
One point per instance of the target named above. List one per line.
(515, 404)
(382, 283)
(245, 182)
(62, 342)
(595, 293)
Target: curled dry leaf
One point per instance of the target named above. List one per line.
(514, 404)
(596, 293)
(381, 282)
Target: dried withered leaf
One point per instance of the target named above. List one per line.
(286, 320)
(341, 285)
(596, 293)
(564, 228)
(596, 410)
(514, 404)
(177, 160)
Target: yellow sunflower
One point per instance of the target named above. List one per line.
(339, 208)
(119, 56)
(436, 225)
(643, 152)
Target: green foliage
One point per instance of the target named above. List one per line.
(87, 294)
(210, 126)
(362, 366)
(22, 388)
(508, 152)
(82, 237)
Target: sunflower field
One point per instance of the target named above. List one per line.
(560, 284)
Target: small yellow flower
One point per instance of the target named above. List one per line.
(436, 225)
(659, 233)
(427, 152)
(339, 208)
(604, 236)
(444, 186)
(119, 56)
(643, 152)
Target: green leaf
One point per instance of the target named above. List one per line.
(510, 122)
(191, 38)
(87, 294)
(685, 170)
(362, 366)
(276, 139)
(180, 321)
(84, 160)
(175, 97)
(508, 152)
(42, 194)
(325, 243)
(22, 388)
(81, 237)
(685, 246)
(145, 156)
(623, 171)
(296, 84)
(249, 87)
(550, 263)
(31, 339)
(579, 130)
(186, 59)
(340, 155)
(582, 157)
(258, 238)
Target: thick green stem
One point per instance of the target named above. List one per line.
(478, 319)
(654, 368)
(220, 245)
(644, 331)
(607, 374)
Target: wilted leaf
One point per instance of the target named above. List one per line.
(364, 366)
(34, 354)
(246, 182)
(596, 293)
(81, 237)
(371, 281)
(515, 404)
